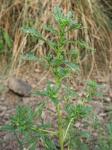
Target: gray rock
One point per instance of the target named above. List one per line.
(19, 86)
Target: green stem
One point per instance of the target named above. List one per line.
(60, 128)
(45, 131)
(65, 135)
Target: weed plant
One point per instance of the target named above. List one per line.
(5, 43)
(30, 134)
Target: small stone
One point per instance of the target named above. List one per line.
(19, 86)
(107, 99)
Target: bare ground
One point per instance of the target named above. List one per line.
(9, 101)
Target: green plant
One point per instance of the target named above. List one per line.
(105, 140)
(25, 130)
(61, 68)
(5, 42)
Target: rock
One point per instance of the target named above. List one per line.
(19, 86)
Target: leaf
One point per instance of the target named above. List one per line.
(57, 61)
(85, 134)
(1, 46)
(49, 144)
(74, 53)
(50, 29)
(52, 44)
(83, 44)
(61, 72)
(70, 93)
(52, 92)
(83, 146)
(32, 32)
(73, 66)
(74, 25)
(7, 39)
(7, 127)
(91, 89)
(78, 111)
(69, 15)
(23, 119)
(58, 13)
(38, 110)
(109, 127)
(29, 56)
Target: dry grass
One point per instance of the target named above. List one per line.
(15, 14)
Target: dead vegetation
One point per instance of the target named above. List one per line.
(15, 14)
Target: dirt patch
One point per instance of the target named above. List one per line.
(9, 101)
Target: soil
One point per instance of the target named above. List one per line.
(9, 101)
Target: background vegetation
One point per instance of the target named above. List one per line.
(94, 15)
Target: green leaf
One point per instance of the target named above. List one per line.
(58, 14)
(32, 32)
(83, 44)
(83, 146)
(57, 61)
(74, 25)
(74, 53)
(65, 20)
(61, 72)
(23, 119)
(50, 28)
(73, 66)
(109, 127)
(7, 39)
(29, 56)
(49, 144)
(52, 44)
(85, 134)
(70, 93)
(7, 127)
(52, 92)
(91, 89)
(1, 46)
(78, 111)
(38, 110)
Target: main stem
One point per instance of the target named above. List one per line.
(58, 107)
(60, 127)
